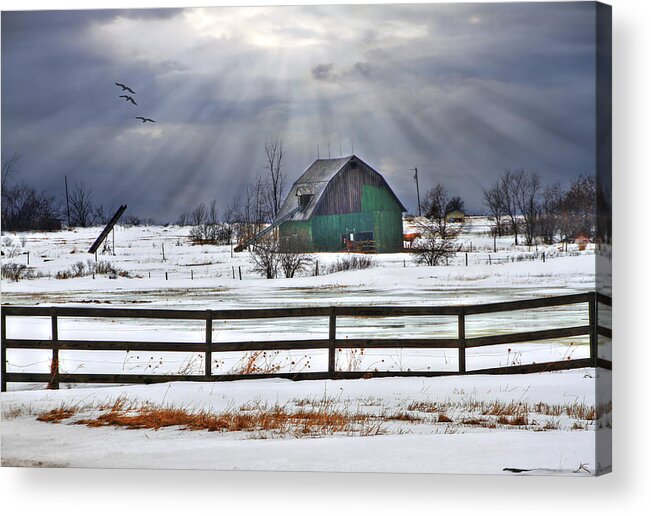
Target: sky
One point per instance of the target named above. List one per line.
(461, 91)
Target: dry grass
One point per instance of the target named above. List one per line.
(314, 416)
(257, 362)
(269, 362)
(317, 421)
(424, 406)
(402, 416)
(16, 411)
(57, 415)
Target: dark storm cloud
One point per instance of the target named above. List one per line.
(322, 72)
(463, 91)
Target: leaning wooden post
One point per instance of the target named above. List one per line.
(3, 352)
(462, 342)
(208, 368)
(332, 336)
(592, 322)
(54, 366)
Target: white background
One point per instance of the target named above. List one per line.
(23, 491)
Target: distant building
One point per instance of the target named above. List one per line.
(340, 204)
(455, 216)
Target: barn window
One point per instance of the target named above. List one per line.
(353, 164)
(304, 200)
(364, 236)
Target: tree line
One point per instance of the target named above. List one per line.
(26, 208)
(519, 205)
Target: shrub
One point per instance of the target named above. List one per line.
(265, 257)
(291, 263)
(211, 233)
(16, 271)
(81, 269)
(351, 262)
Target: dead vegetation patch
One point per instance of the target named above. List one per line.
(279, 420)
(328, 415)
(56, 415)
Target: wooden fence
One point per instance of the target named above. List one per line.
(332, 343)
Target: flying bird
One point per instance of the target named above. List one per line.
(145, 120)
(125, 88)
(127, 98)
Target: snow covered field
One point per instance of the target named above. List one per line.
(413, 446)
(207, 277)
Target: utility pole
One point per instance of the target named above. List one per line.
(417, 190)
(67, 199)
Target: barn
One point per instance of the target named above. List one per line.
(340, 204)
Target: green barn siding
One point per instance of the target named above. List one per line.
(377, 198)
(387, 218)
(381, 213)
(327, 230)
(296, 236)
(388, 231)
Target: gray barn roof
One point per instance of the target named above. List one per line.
(314, 180)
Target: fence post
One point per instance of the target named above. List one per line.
(3, 352)
(208, 367)
(54, 366)
(332, 335)
(462, 342)
(592, 321)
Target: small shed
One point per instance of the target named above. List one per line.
(340, 204)
(455, 216)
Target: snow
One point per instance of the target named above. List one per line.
(207, 277)
(417, 448)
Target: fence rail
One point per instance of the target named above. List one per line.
(332, 343)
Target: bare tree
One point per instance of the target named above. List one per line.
(579, 206)
(254, 210)
(435, 203)
(265, 256)
(526, 193)
(508, 187)
(274, 153)
(494, 201)
(23, 206)
(435, 244)
(207, 227)
(9, 167)
(199, 215)
(183, 219)
(213, 212)
(438, 240)
(83, 211)
(549, 220)
(291, 263)
(455, 203)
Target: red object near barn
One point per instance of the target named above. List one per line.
(582, 242)
(410, 237)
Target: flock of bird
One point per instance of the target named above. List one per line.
(129, 98)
